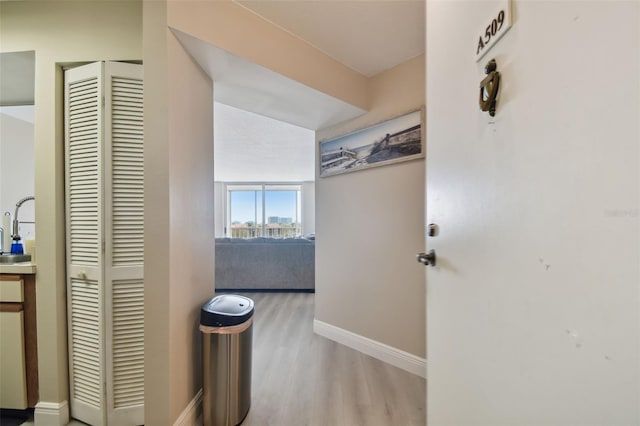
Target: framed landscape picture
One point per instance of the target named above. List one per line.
(392, 141)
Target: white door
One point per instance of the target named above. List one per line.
(105, 187)
(533, 306)
(85, 259)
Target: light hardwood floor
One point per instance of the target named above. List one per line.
(300, 378)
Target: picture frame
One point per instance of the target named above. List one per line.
(398, 139)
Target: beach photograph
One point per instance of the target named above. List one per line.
(398, 139)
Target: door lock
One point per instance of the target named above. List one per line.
(427, 259)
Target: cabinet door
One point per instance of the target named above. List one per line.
(13, 385)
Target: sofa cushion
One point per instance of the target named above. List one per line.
(265, 263)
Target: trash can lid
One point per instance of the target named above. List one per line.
(226, 310)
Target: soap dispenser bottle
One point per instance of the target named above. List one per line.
(16, 246)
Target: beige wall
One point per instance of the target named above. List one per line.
(17, 169)
(308, 208)
(60, 32)
(192, 218)
(157, 312)
(243, 33)
(179, 217)
(370, 225)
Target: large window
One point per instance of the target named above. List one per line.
(264, 210)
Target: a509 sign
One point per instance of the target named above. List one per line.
(496, 27)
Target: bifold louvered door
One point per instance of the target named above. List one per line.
(104, 202)
(85, 258)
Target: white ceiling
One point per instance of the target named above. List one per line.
(368, 36)
(253, 148)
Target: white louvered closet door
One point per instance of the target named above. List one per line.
(124, 253)
(84, 216)
(104, 199)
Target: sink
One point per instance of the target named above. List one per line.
(14, 258)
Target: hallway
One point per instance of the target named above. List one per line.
(303, 379)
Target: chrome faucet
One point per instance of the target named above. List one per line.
(15, 235)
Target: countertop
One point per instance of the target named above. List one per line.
(18, 268)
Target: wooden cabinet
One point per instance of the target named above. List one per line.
(18, 346)
(13, 378)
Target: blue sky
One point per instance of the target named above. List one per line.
(278, 203)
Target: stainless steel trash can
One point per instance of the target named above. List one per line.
(226, 323)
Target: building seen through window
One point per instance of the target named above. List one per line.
(264, 210)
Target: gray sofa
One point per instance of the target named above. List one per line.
(286, 264)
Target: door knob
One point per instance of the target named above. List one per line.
(427, 259)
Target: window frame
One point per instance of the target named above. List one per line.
(264, 187)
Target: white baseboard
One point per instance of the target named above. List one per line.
(51, 413)
(386, 353)
(191, 415)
